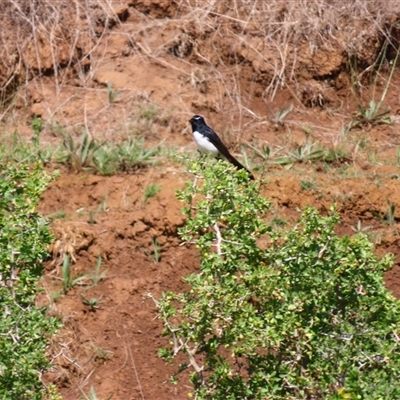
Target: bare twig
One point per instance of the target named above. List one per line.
(219, 239)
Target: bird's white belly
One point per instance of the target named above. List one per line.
(204, 145)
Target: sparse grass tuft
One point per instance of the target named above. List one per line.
(148, 112)
(67, 281)
(157, 252)
(151, 191)
(13, 148)
(37, 125)
(133, 154)
(373, 114)
(307, 185)
(96, 274)
(92, 395)
(390, 215)
(57, 215)
(359, 228)
(102, 207)
(93, 303)
(281, 114)
(155, 255)
(111, 93)
(81, 153)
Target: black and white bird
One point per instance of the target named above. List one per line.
(208, 142)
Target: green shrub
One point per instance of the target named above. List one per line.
(298, 313)
(24, 239)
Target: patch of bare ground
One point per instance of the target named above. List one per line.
(113, 345)
(142, 68)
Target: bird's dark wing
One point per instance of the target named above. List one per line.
(217, 142)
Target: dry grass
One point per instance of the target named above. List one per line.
(228, 55)
(233, 48)
(44, 37)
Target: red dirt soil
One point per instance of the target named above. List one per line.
(166, 61)
(114, 348)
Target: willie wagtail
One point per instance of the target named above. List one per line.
(208, 141)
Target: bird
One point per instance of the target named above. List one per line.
(208, 142)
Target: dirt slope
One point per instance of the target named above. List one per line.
(143, 68)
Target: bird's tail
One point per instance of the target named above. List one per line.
(237, 164)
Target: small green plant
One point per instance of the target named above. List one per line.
(307, 185)
(390, 215)
(280, 115)
(359, 228)
(156, 253)
(92, 395)
(246, 160)
(126, 156)
(376, 215)
(310, 151)
(133, 154)
(67, 281)
(96, 274)
(111, 93)
(105, 160)
(148, 112)
(101, 355)
(372, 156)
(16, 149)
(57, 215)
(37, 126)
(373, 113)
(337, 154)
(306, 315)
(102, 207)
(56, 295)
(93, 303)
(265, 153)
(308, 130)
(80, 153)
(150, 191)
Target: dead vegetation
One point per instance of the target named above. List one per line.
(236, 55)
(284, 77)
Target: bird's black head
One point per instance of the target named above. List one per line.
(196, 121)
